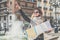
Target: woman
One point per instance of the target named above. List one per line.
(38, 19)
(37, 16)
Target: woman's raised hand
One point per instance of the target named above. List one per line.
(16, 6)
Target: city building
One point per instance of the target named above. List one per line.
(51, 10)
(3, 15)
(28, 6)
(45, 6)
(56, 10)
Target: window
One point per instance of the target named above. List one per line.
(28, 0)
(31, 0)
(45, 1)
(50, 9)
(50, 0)
(40, 7)
(40, 0)
(53, 1)
(5, 4)
(45, 8)
(0, 0)
(4, 0)
(59, 4)
(45, 15)
(4, 17)
(0, 18)
(10, 17)
(2, 5)
(4, 24)
(0, 27)
(39, 4)
(44, 4)
(0, 24)
(10, 2)
(59, 1)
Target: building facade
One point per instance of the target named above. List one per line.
(45, 6)
(48, 7)
(3, 15)
(51, 10)
(28, 6)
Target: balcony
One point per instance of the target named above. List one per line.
(51, 9)
(30, 0)
(58, 10)
(39, 0)
(3, 5)
(39, 4)
(3, 9)
(39, 7)
(45, 8)
(52, 1)
(2, 1)
(28, 4)
(59, 4)
(59, 0)
(45, 1)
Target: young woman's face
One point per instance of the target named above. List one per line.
(36, 13)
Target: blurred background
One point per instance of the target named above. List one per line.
(50, 9)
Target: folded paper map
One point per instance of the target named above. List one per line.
(31, 32)
(38, 29)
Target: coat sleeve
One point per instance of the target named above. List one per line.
(26, 18)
